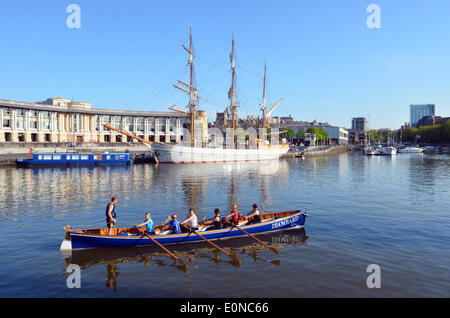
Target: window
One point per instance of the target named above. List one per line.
(68, 157)
(47, 157)
(40, 157)
(75, 157)
(95, 157)
(108, 157)
(20, 124)
(84, 157)
(6, 123)
(56, 157)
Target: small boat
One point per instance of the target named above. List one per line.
(75, 159)
(370, 151)
(410, 150)
(387, 151)
(132, 237)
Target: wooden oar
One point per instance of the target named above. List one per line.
(236, 259)
(164, 248)
(273, 249)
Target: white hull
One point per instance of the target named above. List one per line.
(184, 154)
(410, 150)
(389, 151)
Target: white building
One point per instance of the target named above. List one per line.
(59, 120)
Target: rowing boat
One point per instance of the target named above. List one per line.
(128, 237)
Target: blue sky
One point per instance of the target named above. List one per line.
(322, 58)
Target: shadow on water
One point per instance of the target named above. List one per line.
(192, 253)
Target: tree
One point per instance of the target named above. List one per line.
(320, 133)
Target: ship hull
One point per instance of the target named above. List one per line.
(183, 154)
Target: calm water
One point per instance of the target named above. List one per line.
(393, 212)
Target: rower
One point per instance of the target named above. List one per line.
(148, 223)
(253, 215)
(192, 223)
(234, 214)
(111, 214)
(174, 225)
(215, 221)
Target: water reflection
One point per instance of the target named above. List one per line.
(195, 255)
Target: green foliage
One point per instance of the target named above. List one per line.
(321, 135)
(433, 133)
(379, 135)
(288, 134)
(300, 134)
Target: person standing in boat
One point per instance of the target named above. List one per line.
(234, 215)
(253, 215)
(111, 215)
(215, 221)
(174, 225)
(192, 223)
(148, 223)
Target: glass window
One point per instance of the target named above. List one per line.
(47, 157)
(56, 157)
(40, 157)
(84, 157)
(95, 157)
(20, 123)
(75, 157)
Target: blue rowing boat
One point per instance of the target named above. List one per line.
(75, 159)
(128, 237)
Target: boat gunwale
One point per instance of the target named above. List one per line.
(185, 235)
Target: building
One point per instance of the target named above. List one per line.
(431, 120)
(417, 112)
(358, 132)
(60, 120)
(337, 135)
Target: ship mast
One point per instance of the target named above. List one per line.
(193, 91)
(231, 92)
(263, 105)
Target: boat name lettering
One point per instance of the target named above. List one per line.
(285, 222)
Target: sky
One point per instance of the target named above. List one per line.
(322, 57)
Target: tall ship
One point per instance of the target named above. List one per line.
(198, 148)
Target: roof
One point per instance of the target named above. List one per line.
(93, 111)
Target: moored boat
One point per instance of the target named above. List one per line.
(75, 159)
(132, 237)
(409, 149)
(387, 151)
